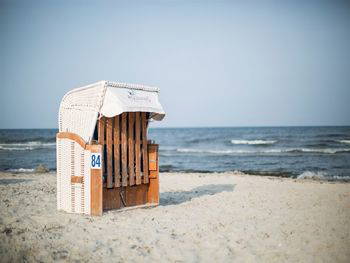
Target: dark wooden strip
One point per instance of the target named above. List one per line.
(137, 148)
(101, 130)
(124, 147)
(111, 198)
(116, 140)
(109, 146)
(144, 147)
(136, 195)
(131, 143)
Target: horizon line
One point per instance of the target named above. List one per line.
(193, 127)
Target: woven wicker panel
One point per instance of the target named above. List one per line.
(64, 174)
(59, 172)
(72, 160)
(79, 110)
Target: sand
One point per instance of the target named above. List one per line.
(201, 218)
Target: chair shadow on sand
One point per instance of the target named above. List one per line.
(178, 197)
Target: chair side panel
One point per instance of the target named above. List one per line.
(72, 160)
(64, 173)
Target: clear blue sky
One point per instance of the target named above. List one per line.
(217, 63)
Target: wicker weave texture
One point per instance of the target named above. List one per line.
(72, 160)
(79, 110)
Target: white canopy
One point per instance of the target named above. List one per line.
(80, 108)
(125, 99)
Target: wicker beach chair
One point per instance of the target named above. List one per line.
(104, 159)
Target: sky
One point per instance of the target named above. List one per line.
(217, 63)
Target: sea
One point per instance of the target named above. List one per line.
(297, 152)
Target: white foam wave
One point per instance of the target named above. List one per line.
(312, 175)
(184, 150)
(344, 141)
(25, 146)
(316, 150)
(253, 142)
(321, 176)
(21, 170)
(266, 151)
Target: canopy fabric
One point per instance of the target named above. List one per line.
(80, 108)
(118, 100)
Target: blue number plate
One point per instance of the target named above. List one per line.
(96, 161)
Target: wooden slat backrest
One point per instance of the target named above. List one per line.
(125, 149)
(137, 148)
(144, 147)
(116, 140)
(109, 146)
(124, 153)
(131, 144)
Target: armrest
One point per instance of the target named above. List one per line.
(72, 136)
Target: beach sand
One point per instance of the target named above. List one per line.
(201, 218)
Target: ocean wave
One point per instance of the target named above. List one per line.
(321, 176)
(317, 145)
(21, 170)
(32, 145)
(315, 150)
(312, 175)
(267, 151)
(166, 168)
(253, 142)
(200, 140)
(330, 135)
(28, 140)
(186, 150)
(344, 141)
